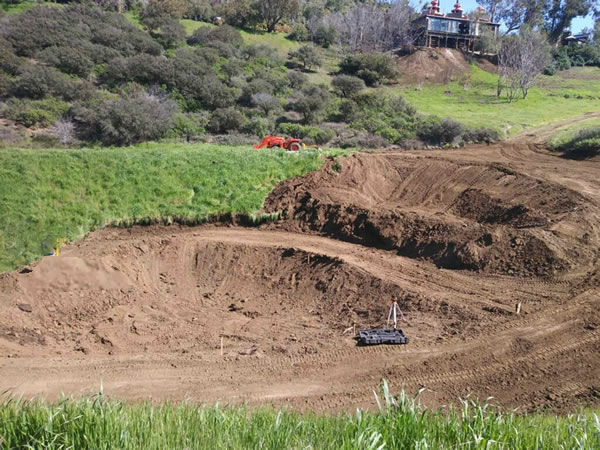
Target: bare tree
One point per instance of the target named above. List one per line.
(374, 26)
(64, 131)
(274, 11)
(522, 58)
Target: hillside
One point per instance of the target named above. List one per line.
(192, 80)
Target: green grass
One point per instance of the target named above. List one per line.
(563, 137)
(51, 194)
(477, 105)
(16, 8)
(400, 424)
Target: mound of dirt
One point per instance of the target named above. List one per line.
(457, 215)
(434, 65)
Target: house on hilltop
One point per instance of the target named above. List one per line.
(434, 29)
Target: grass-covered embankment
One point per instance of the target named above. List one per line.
(580, 141)
(96, 423)
(47, 195)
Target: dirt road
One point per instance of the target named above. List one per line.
(461, 236)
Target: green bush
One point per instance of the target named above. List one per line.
(31, 113)
(37, 81)
(307, 55)
(225, 120)
(296, 79)
(347, 85)
(311, 102)
(372, 68)
(439, 131)
(376, 113)
(126, 120)
(317, 135)
(44, 26)
(67, 59)
(225, 34)
(299, 33)
(480, 136)
(584, 144)
(324, 35)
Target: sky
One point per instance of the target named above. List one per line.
(469, 5)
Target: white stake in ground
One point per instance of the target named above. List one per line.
(394, 310)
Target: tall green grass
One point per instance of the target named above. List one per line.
(400, 424)
(46, 195)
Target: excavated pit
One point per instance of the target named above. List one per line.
(181, 295)
(460, 216)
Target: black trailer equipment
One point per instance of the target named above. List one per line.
(385, 336)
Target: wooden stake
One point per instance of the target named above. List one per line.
(221, 345)
(518, 309)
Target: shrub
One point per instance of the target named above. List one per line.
(126, 120)
(584, 144)
(225, 120)
(200, 10)
(37, 81)
(319, 136)
(296, 79)
(436, 131)
(307, 55)
(30, 113)
(43, 26)
(9, 62)
(311, 102)
(257, 127)
(372, 68)
(189, 125)
(347, 85)
(64, 131)
(164, 8)
(265, 102)
(67, 59)
(172, 33)
(299, 33)
(481, 135)
(324, 35)
(225, 33)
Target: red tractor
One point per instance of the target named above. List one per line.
(292, 144)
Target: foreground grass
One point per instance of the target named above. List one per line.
(97, 423)
(474, 102)
(52, 194)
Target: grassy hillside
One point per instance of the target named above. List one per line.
(52, 194)
(107, 424)
(476, 103)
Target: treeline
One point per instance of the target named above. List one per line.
(88, 75)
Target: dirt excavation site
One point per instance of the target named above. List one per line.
(228, 314)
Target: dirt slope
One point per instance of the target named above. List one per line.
(462, 236)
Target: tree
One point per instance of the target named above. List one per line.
(164, 8)
(311, 102)
(372, 26)
(347, 86)
(561, 14)
(265, 102)
(274, 11)
(522, 58)
(308, 56)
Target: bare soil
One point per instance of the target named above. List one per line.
(462, 236)
(433, 65)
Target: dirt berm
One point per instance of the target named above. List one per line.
(465, 216)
